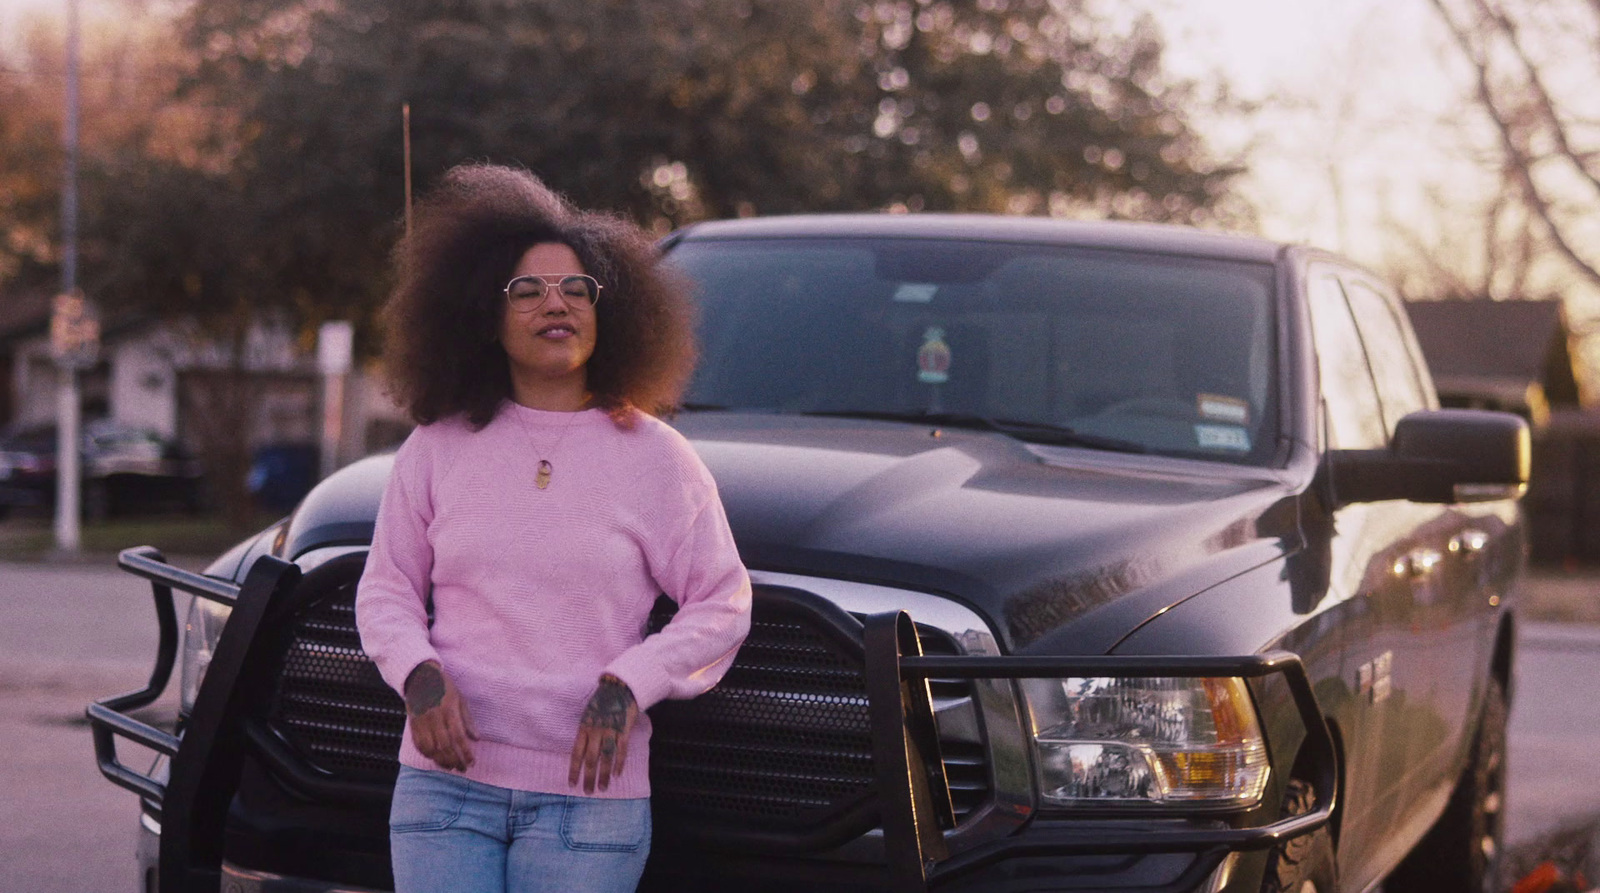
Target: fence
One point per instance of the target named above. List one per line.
(1563, 501)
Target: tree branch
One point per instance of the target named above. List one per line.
(1541, 94)
(1519, 161)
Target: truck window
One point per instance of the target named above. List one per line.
(1173, 354)
(1355, 420)
(1393, 368)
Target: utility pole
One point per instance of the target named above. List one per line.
(334, 340)
(68, 405)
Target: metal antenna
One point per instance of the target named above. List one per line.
(405, 117)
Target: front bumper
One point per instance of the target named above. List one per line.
(1093, 874)
(235, 879)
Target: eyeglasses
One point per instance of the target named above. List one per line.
(528, 293)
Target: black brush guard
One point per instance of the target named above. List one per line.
(912, 802)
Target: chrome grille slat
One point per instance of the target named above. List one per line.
(348, 705)
(336, 728)
(761, 776)
(747, 803)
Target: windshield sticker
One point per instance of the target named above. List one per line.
(933, 358)
(915, 292)
(1223, 409)
(1222, 437)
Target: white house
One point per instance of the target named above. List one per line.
(146, 367)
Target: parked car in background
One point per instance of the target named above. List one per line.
(125, 470)
(1087, 557)
(281, 474)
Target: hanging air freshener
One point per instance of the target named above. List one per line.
(933, 358)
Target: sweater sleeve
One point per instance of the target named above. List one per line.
(391, 599)
(704, 575)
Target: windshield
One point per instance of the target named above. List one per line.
(1164, 354)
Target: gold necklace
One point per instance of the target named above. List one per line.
(545, 469)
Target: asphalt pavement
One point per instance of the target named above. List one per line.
(71, 633)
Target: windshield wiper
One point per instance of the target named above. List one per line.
(1032, 432)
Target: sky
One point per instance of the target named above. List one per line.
(1352, 91)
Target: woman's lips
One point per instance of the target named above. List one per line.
(556, 331)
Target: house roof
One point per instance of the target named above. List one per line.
(1494, 346)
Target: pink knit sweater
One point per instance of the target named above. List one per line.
(537, 592)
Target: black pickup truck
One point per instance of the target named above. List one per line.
(1087, 556)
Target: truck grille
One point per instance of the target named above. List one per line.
(781, 743)
(331, 705)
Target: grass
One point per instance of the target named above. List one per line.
(33, 538)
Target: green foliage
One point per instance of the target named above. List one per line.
(29, 198)
(271, 177)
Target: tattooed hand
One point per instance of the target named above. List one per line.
(441, 725)
(602, 745)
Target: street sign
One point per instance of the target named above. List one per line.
(335, 340)
(74, 331)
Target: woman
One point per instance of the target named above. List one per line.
(529, 525)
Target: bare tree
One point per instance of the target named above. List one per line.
(1520, 56)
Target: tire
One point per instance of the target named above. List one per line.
(1461, 853)
(1305, 863)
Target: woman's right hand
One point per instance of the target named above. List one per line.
(441, 724)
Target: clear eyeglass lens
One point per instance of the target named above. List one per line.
(526, 291)
(578, 288)
(530, 291)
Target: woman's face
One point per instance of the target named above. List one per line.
(549, 344)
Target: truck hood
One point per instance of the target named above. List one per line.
(1061, 548)
(1064, 550)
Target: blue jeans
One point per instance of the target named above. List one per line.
(448, 833)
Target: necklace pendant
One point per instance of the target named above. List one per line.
(543, 479)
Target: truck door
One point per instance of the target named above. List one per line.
(1437, 654)
(1364, 547)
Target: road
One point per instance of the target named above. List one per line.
(1555, 728)
(75, 632)
(72, 633)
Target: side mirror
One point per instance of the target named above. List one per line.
(1441, 455)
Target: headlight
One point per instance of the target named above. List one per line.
(200, 633)
(1141, 740)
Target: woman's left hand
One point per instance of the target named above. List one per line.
(602, 745)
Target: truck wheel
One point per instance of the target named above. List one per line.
(1304, 864)
(1461, 854)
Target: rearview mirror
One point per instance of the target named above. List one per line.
(1440, 455)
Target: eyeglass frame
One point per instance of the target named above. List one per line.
(544, 280)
